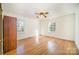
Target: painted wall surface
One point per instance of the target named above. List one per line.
(77, 27)
(30, 28)
(65, 27)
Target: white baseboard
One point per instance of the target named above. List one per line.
(64, 38)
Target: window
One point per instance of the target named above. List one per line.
(20, 26)
(51, 27)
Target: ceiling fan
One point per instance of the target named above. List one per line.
(40, 14)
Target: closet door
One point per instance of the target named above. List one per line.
(10, 34)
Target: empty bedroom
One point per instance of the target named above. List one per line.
(40, 28)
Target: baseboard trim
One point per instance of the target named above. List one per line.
(57, 38)
(49, 37)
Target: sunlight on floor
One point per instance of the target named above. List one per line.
(37, 36)
(51, 46)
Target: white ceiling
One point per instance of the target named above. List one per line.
(29, 9)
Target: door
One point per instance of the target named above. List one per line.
(10, 33)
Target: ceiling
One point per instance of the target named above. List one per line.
(29, 9)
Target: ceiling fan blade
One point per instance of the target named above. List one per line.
(46, 13)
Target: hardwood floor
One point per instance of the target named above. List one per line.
(44, 46)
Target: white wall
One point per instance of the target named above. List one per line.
(77, 27)
(65, 27)
(30, 28)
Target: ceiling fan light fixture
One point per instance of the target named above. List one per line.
(41, 14)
